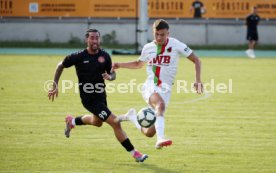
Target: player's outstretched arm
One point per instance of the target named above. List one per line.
(52, 93)
(198, 84)
(130, 65)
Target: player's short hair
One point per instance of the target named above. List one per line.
(91, 30)
(160, 24)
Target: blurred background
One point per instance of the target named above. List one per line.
(212, 133)
(126, 24)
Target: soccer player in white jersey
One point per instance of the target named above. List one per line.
(161, 56)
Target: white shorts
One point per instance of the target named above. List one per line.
(149, 88)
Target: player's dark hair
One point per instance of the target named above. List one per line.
(91, 30)
(160, 24)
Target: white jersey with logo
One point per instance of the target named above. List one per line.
(162, 61)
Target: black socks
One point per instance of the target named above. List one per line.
(78, 121)
(127, 145)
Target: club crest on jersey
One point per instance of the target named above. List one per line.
(101, 59)
(169, 49)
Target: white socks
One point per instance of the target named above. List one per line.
(159, 127)
(73, 122)
(132, 152)
(135, 122)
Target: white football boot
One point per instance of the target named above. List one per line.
(131, 115)
(163, 143)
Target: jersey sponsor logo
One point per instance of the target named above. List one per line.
(101, 59)
(161, 60)
(85, 62)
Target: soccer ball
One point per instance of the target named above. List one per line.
(146, 117)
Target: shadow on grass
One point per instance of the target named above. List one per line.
(154, 168)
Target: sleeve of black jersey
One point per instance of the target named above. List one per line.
(201, 4)
(108, 64)
(70, 60)
(247, 20)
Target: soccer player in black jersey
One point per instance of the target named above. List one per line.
(252, 22)
(93, 66)
(198, 8)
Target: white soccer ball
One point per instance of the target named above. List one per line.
(146, 117)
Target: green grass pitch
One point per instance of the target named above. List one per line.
(222, 133)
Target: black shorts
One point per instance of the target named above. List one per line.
(252, 36)
(97, 106)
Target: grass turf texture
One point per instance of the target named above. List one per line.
(225, 133)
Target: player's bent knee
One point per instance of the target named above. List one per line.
(150, 135)
(112, 121)
(98, 124)
(161, 106)
(115, 125)
(149, 132)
